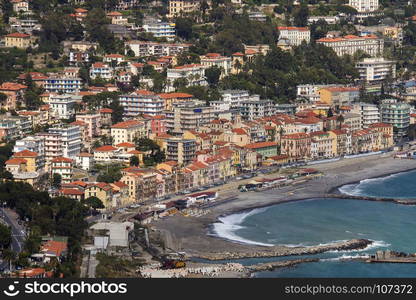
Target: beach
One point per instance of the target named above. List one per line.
(190, 234)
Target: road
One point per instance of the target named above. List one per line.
(18, 233)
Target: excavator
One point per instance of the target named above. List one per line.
(173, 261)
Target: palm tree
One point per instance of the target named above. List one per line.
(9, 256)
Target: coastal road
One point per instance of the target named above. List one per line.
(18, 233)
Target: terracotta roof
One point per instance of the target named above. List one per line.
(260, 145)
(300, 135)
(11, 86)
(16, 161)
(18, 35)
(106, 148)
(106, 110)
(127, 124)
(25, 153)
(293, 28)
(238, 54)
(120, 184)
(62, 159)
(135, 152)
(239, 131)
(380, 125)
(114, 14)
(175, 95)
(71, 192)
(85, 154)
(54, 247)
(128, 145)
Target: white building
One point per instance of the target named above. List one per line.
(34, 144)
(65, 85)
(311, 91)
(85, 160)
(369, 113)
(101, 70)
(70, 138)
(215, 59)
(363, 6)
(161, 29)
(328, 19)
(141, 48)
(254, 109)
(294, 35)
(376, 69)
(194, 74)
(62, 106)
(141, 102)
(349, 44)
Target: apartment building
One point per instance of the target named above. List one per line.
(33, 144)
(18, 40)
(363, 6)
(142, 183)
(20, 5)
(141, 48)
(63, 85)
(127, 131)
(62, 166)
(294, 35)
(350, 44)
(161, 29)
(184, 118)
(339, 96)
(369, 113)
(376, 69)
(255, 109)
(396, 114)
(194, 74)
(141, 102)
(62, 106)
(15, 94)
(101, 70)
(52, 143)
(70, 137)
(93, 123)
(180, 150)
(215, 59)
(296, 145)
(323, 144)
(182, 7)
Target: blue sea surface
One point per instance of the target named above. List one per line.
(321, 221)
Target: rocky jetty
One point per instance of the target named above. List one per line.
(275, 251)
(270, 266)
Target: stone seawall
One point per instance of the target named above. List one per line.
(279, 264)
(275, 251)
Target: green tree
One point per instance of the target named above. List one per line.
(5, 236)
(93, 203)
(134, 161)
(212, 75)
(56, 180)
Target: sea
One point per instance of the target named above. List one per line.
(322, 221)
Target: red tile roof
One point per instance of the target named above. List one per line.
(127, 124)
(106, 148)
(260, 145)
(62, 159)
(25, 153)
(16, 161)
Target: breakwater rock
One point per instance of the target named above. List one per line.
(275, 251)
(270, 266)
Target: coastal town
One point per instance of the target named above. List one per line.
(127, 127)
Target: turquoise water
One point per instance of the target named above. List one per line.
(321, 221)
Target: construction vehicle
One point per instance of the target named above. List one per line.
(173, 261)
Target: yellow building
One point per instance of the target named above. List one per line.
(127, 132)
(103, 191)
(181, 7)
(25, 166)
(17, 39)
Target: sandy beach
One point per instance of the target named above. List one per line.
(190, 234)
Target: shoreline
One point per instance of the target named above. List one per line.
(191, 235)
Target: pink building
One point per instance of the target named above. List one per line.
(93, 122)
